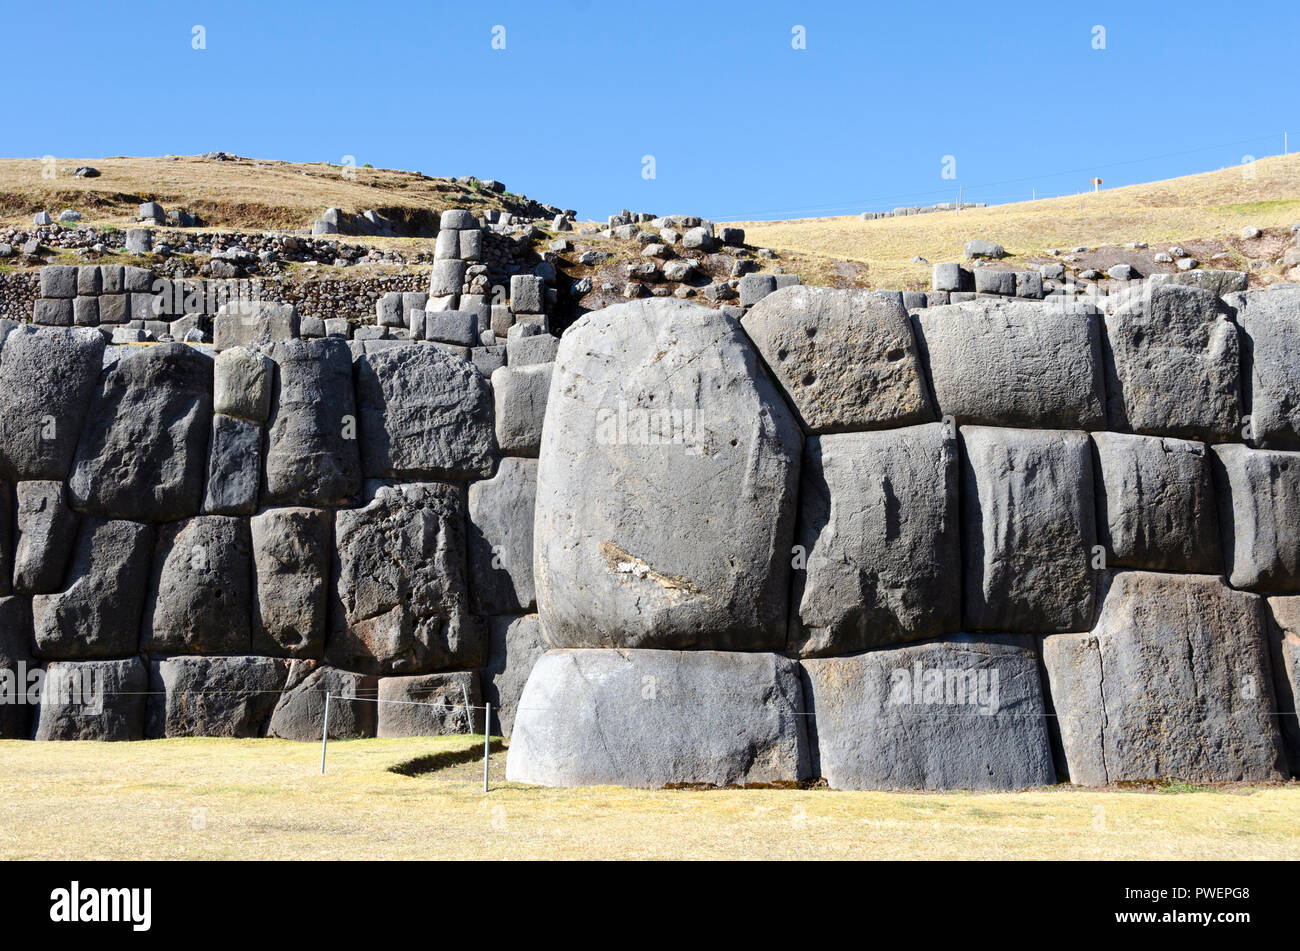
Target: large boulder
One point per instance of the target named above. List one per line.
(97, 614)
(93, 700)
(234, 466)
(1028, 530)
(430, 705)
(501, 538)
(424, 414)
(1156, 504)
(213, 696)
(1174, 367)
(1259, 516)
(961, 713)
(299, 713)
(1284, 639)
(401, 598)
(1015, 364)
(666, 485)
(46, 530)
(291, 564)
(878, 529)
(1172, 683)
(847, 359)
(520, 395)
(653, 717)
(1270, 335)
(311, 435)
(200, 594)
(47, 380)
(515, 644)
(143, 450)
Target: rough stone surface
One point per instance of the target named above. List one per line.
(1028, 530)
(1284, 639)
(1156, 504)
(515, 645)
(15, 668)
(847, 359)
(93, 700)
(1270, 335)
(661, 407)
(519, 395)
(962, 713)
(242, 384)
(200, 594)
(402, 597)
(424, 414)
(311, 436)
(46, 530)
(299, 714)
(291, 563)
(250, 323)
(651, 717)
(501, 538)
(97, 614)
(143, 450)
(1259, 516)
(1172, 683)
(430, 705)
(878, 522)
(1174, 368)
(234, 466)
(1014, 364)
(47, 379)
(213, 696)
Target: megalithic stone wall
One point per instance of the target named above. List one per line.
(989, 545)
(206, 543)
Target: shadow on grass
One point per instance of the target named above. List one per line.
(433, 762)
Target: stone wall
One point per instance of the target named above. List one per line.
(985, 545)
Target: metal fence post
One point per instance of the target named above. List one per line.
(324, 733)
(487, 743)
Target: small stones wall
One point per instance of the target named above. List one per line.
(205, 540)
(990, 544)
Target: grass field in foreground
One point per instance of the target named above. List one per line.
(265, 799)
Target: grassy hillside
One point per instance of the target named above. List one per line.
(1211, 205)
(246, 193)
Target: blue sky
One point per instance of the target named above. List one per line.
(740, 124)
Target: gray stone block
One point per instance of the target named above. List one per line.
(989, 281)
(234, 466)
(242, 382)
(533, 350)
(962, 713)
(199, 596)
(652, 717)
(430, 705)
(249, 323)
(90, 282)
(46, 530)
(213, 696)
(1269, 323)
(93, 700)
(53, 312)
(501, 539)
(1284, 641)
(516, 644)
(299, 714)
(446, 278)
(754, 287)
(527, 294)
(1259, 516)
(519, 395)
(113, 309)
(59, 281)
(456, 327)
(291, 564)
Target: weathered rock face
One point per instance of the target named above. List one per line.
(1014, 364)
(520, 395)
(242, 384)
(143, 450)
(666, 485)
(424, 414)
(1270, 333)
(47, 379)
(651, 717)
(1173, 682)
(878, 522)
(515, 645)
(1284, 640)
(93, 700)
(402, 599)
(964, 713)
(430, 705)
(213, 696)
(1174, 367)
(15, 664)
(97, 614)
(234, 466)
(501, 538)
(47, 527)
(299, 714)
(1156, 503)
(1028, 530)
(200, 596)
(291, 563)
(1259, 516)
(311, 437)
(847, 358)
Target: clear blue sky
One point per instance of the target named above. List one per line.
(740, 124)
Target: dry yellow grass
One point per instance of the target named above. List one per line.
(253, 799)
(1181, 209)
(248, 193)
